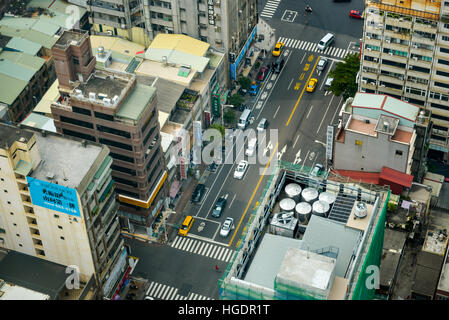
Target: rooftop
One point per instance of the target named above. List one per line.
(50, 96)
(34, 35)
(10, 134)
(39, 121)
(67, 159)
(361, 126)
(10, 88)
(180, 42)
(71, 37)
(33, 273)
(24, 45)
(136, 102)
(435, 242)
(158, 69)
(421, 8)
(15, 292)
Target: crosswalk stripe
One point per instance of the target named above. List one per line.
(220, 255)
(186, 242)
(175, 243)
(229, 255)
(295, 43)
(170, 294)
(150, 287)
(190, 244)
(200, 247)
(164, 293)
(327, 50)
(266, 15)
(281, 39)
(217, 253)
(287, 43)
(269, 10)
(303, 44)
(205, 248)
(197, 243)
(271, 6)
(157, 289)
(207, 253)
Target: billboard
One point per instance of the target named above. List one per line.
(53, 196)
(233, 66)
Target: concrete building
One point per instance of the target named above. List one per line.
(227, 25)
(327, 255)
(58, 203)
(405, 54)
(110, 107)
(377, 127)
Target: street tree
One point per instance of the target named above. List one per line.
(344, 76)
(218, 127)
(245, 82)
(229, 116)
(236, 100)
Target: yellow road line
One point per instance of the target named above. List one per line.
(252, 196)
(300, 96)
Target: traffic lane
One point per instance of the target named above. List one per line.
(183, 275)
(326, 15)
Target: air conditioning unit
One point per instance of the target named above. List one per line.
(410, 67)
(415, 46)
(415, 58)
(92, 95)
(387, 40)
(375, 59)
(107, 101)
(369, 49)
(382, 85)
(390, 53)
(368, 37)
(364, 81)
(115, 99)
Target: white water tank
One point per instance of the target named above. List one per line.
(293, 190)
(320, 208)
(303, 211)
(327, 197)
(309, 194)
(360, 210)
(287, 205)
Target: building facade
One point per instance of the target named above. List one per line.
(225, 24)
(58, 204)
(113, 109)
(405, 54)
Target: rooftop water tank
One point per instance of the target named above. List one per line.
(320, 208)
(360, 210)
(303, 211)
(293, 190)
(309, 194)
(327, 197)
(287, 205)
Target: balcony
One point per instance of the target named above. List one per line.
(423, 40)
(415, 61)
(96, 7)
(398, 22)
(370, 64)
(425, 27)
(391, 79)
(393, 57)
(108, 22)
(414, 84)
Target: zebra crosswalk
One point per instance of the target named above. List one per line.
(270, 8)
(165, 292)
(313, 46)
(203, 248)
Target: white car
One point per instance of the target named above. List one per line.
(241, 169)
(263, 124)
(227, 226)
(322, 64)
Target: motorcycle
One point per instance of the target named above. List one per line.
(308, 9)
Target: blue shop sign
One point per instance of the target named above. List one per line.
(233, 66)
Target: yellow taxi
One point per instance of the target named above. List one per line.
(311, 85)
(278, 49)
(186, 226)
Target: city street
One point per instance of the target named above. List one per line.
(301, 119)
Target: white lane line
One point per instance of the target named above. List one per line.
(232, 201)
(274, 117)
(338, 108)
(296, 140)
(305, 53)
(290, 84)
(308, 113)
(327, 109)
(305, 159)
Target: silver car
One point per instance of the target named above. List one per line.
(227, 226)
(322, 64)
(241, 169)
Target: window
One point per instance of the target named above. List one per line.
(104, 116)
(60, 227)
(442, 61)
(445, 50)
(17, 234)
(81, 111)
(441, 73)
(11, 213)
(116, 144)
(399, 152)
(77, 122)
(440, 84)
(358, 142)
(62, 238)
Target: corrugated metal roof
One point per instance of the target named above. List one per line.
(180, 42)
(136, 102)
(197, 63)
(23, 59)
(43, 39)
(10, 88)
(368, 100)
(39, 121)
(17, 71)
(52, 94)
(44, 25)
(396, 177)
(24, 45)
(401, 108)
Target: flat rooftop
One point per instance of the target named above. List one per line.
(10, 134)
(136, 102)
(421, 8)
(158, 69)
(434, 243)
(67, 159)
(71, 37)
(361, 126)
(99, 84)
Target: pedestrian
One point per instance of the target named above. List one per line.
(216, 267)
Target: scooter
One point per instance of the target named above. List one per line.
(308, 9)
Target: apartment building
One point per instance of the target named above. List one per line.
(405, 54)
(375, 126)
(227, 25)
(111, 108)
(58, 203)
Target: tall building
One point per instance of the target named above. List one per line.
(111, 108)
(225, 24)
(58, 203)
(405, 54)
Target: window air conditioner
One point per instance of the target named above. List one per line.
(364, 81)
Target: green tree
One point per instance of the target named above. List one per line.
(218, 127)
(344, 76)
(229, 116)
(236, 100)
(245, 82)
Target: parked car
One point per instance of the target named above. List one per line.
(278, 65)
(311, 85)
(317, 170)
(198, 193)
(254, 89)
(241, 169)
(278, 49)
(322, 64)
(328, 83)
(227, 226)
(219, 207)
(263, 124)
(355, 14)
(262, 73)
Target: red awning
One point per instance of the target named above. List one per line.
(396, 177)
(174, 188)
(367, 177)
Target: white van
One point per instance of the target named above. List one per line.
(244, 119)
(252, 147)
(326, 41)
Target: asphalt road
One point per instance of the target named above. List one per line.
(301, 118)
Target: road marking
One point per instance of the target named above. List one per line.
(296, 140)
(290, 84)
(300, 96)
(297, 157)
(301, 77)
(327, 109)
(232, 201)
(276, 112)
(338, 108)
(302, 60)
(320, 142)
(252, 196)
(297, 86)
(308, 113)
(305, 159)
